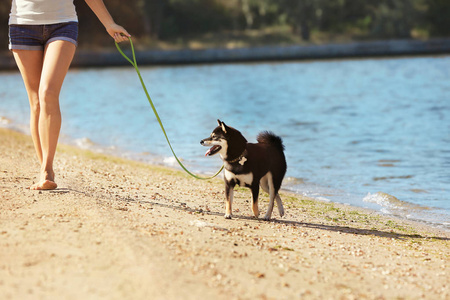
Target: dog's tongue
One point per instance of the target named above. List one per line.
(210, 150)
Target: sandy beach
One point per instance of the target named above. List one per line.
(119, 229)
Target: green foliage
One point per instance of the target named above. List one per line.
(164, 20)
(393, 19)
(438, 17)
(187, 17)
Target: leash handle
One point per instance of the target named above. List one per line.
(134, 64)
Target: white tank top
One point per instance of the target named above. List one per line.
(41, 12)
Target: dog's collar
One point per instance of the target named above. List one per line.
(242, 159)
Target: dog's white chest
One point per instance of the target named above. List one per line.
(243, 179)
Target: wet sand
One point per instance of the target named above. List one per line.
(119, 229)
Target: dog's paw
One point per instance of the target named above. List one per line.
(266, 218)
(281, 211)
(227, 216)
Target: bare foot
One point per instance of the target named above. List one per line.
(46, 183)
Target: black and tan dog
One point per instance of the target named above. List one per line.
(250, 165)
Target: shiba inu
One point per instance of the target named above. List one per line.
(249, 165)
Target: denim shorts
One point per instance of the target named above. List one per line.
(37, 37)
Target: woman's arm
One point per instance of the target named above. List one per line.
(118, 33)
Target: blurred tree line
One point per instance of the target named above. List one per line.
(172, 20)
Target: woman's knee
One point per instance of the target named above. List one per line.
(35, 106)
(49, 105)
(48, 92)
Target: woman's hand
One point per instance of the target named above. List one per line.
(118, 33)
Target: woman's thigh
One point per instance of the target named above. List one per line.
(30, 64)
(58, 56)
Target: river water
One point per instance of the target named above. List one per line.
(372, 132)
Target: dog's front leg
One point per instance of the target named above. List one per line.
(229, 192)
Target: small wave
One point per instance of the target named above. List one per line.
(389, 201)
(323, 199)
(5, 121)
(84, 143)
(390, 205)
(382, 199)
(294, 181)
(171, 161)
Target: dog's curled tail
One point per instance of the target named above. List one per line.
(268, 137)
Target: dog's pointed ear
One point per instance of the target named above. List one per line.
(222, 124)
(224, 127)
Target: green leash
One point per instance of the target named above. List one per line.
(134, 64)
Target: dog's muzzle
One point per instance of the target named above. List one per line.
(211, 151)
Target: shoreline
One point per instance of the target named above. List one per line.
(117, 228)
(368, 49)
(369, 206)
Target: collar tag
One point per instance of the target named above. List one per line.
(242, 160)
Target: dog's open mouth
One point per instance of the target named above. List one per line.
(213, 150)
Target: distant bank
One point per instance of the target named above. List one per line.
(84, 58)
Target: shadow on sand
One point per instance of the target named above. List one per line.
(335, 228)
(184, 207)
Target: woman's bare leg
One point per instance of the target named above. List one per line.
(57, 58)
(30, 66)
